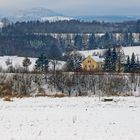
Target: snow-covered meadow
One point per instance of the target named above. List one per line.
(70, 118)
(127, 51)
(16, 62)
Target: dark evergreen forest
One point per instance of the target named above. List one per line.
(33, 38)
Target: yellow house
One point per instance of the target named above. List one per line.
(92, 63)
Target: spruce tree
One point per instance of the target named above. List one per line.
(114, 60)
(108, 61)
(92, 42)
(74, 62)
(127, 66)
(70, 64)
(137, 65)
(133, 63)
(42, 63)
(78, 42)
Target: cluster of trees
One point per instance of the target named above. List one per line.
(74, 83)
(133, 64)
(32, 45)
(73, 26)
(30, 39)
(26, 44)
(73, 61)
(41, 65)
(105, 41)
(71, 84)
(115, 61)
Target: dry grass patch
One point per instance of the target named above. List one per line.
(56, 95)
(59, 95)
(22, 96)
(8, 99)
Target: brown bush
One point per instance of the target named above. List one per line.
(42, 94)
(22, 96)
(5, 90)
(59, 95)
(8, 99)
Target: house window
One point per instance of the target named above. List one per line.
(89, 61)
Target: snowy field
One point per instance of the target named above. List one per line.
(70, 119)
(127, 51)
(17, 62)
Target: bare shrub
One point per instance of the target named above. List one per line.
(22, 84)
(83, 93)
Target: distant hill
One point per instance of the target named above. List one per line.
(41, 13)
(108, 18)
(33, 14)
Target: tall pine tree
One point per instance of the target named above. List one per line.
(133, 63)
(108, 61)
(114, 59)
(92, 42)
(127, 66)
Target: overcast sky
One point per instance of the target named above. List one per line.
(78, 7)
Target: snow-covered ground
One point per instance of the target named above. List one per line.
(81, 118)
(17, 62)
(127, 51)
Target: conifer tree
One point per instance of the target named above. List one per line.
(127, 66)
(92, 42)
(133, 63)
(74, 62)
(78, 42)
(114, 59)
(137, 65)
(42, 63)
(108, 61)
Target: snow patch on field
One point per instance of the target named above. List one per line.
(16, 61)
(70, 119)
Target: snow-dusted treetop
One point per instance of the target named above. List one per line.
(1, 24)
(55, 18)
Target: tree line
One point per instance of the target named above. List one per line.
(32, 45)
(30, 39)
(116, 61)
(73, 26)
(68, 84)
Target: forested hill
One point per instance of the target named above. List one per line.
(73, 26)
(34, 37)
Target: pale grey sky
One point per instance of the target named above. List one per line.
(78, 7)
